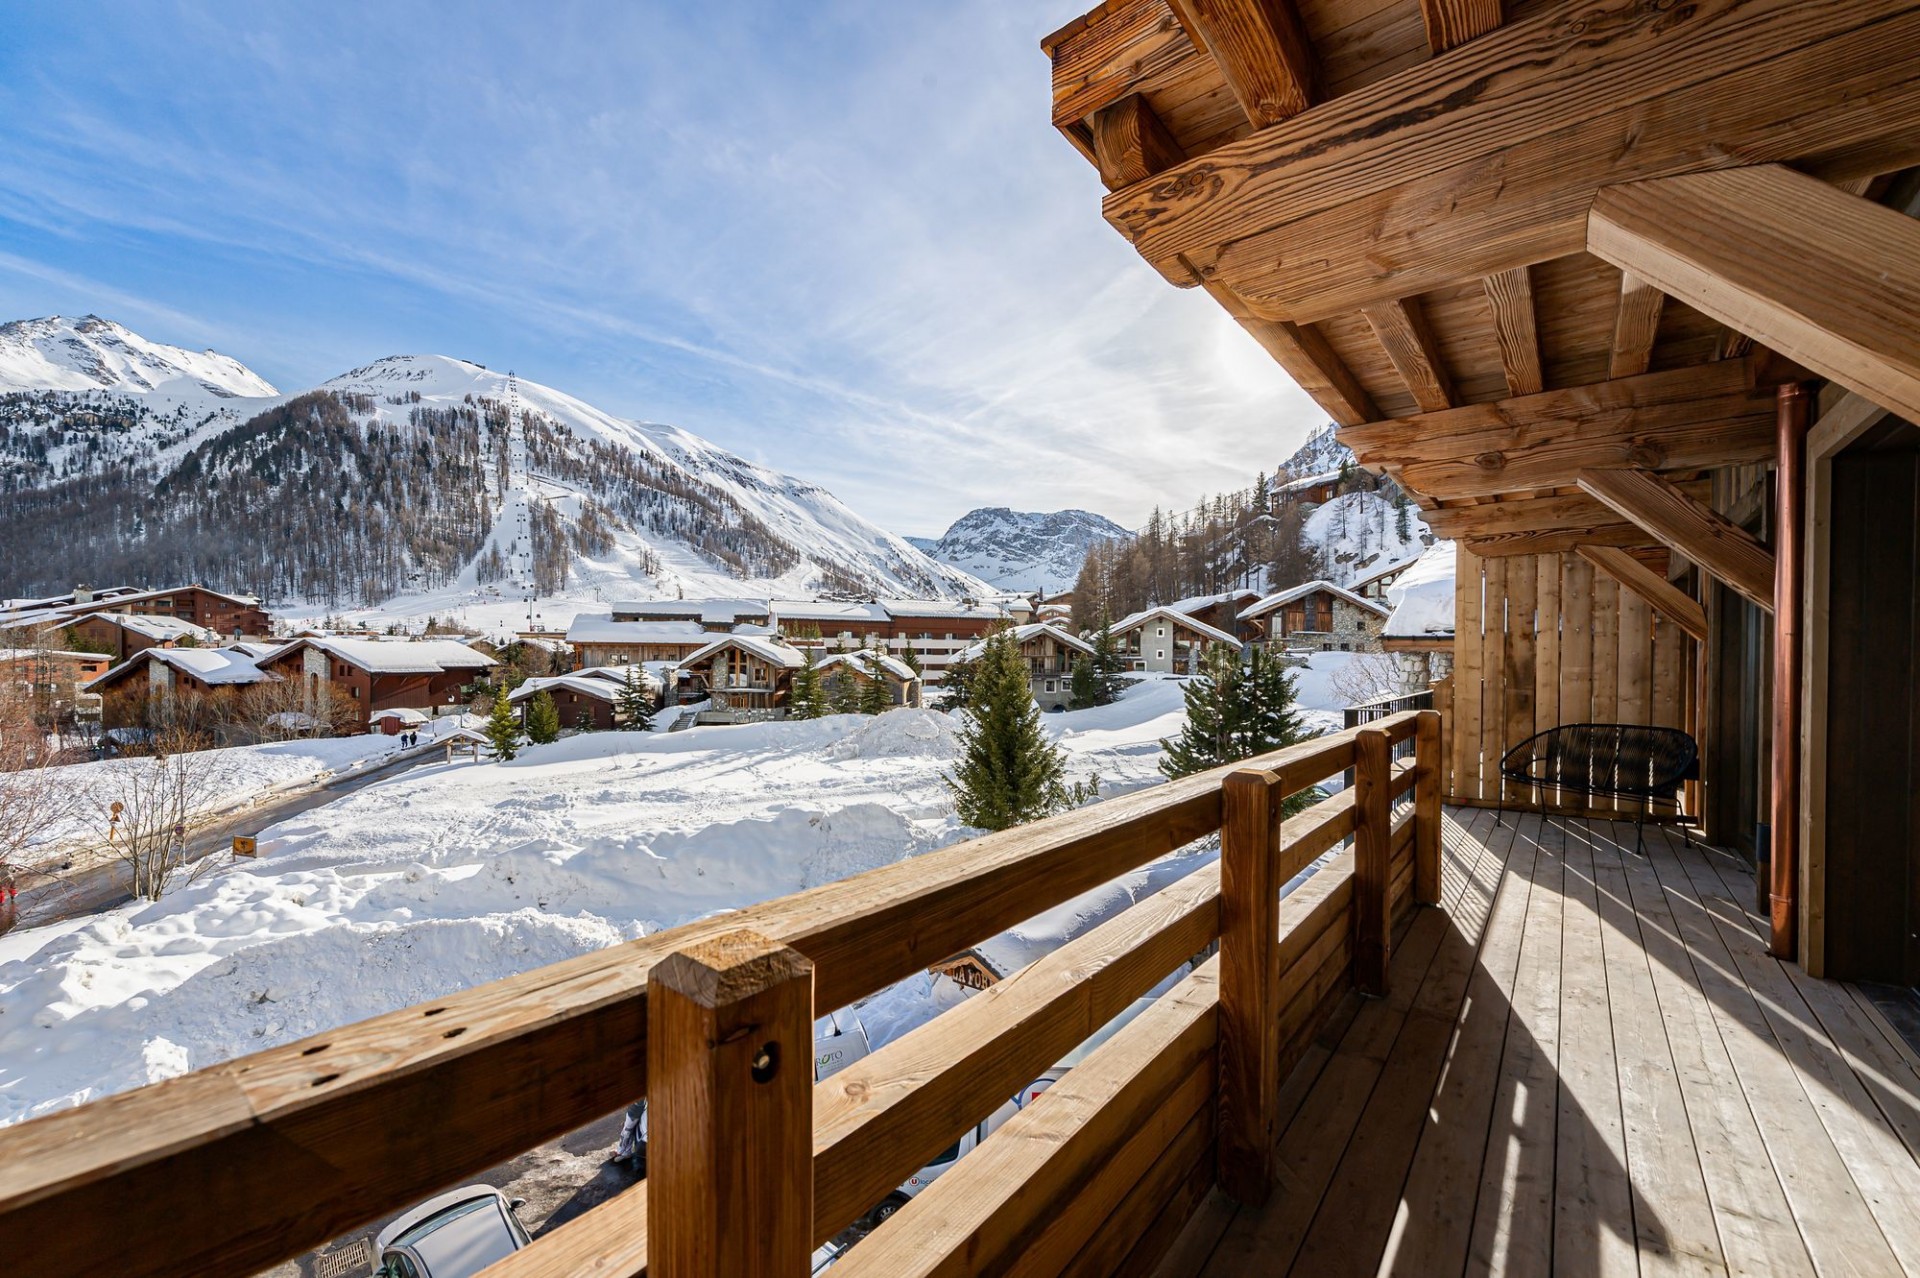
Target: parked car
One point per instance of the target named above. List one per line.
(452, 1235)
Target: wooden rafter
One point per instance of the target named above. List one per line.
(1510, 297)
(1261, 50)
(1697, 531)
(1489, 157)
(1689, 418)
(1557, 541)
(1567, 512)
(1844, 417)
(1454, 22)
(1130, 143)
(1785, 257)
(1401, 326)
(1667, 599)
(1636, 322)
(1097, 63)
(1308, 358)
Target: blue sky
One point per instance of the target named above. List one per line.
(838, 238)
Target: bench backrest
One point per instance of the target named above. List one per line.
(1604, 758)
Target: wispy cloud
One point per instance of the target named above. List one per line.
(840, 239)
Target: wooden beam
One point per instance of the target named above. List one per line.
(1308, 358)
(1401, 326)
(1130, 143)
(1699, 532)
(1510, 297)
(1828, 279)
(1844, 417)
(1489, 158)
(1558, 541)
(1454, 22)
(1261, 50)
(1097, 63)
(1690, 418)
(1249, 1044)
(1636, 322)
(1667, 599)
(1565, 512)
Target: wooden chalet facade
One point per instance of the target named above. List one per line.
(1624, 296)
(426, 675)
(1049, 652)
(1319, 616)
(1168, 641)
(745, 677)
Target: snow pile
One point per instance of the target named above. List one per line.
(1422, 596)
(454, 874)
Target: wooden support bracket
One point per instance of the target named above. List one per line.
(1699, 532)
(1667, 599)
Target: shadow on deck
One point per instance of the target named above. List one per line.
(1587, 1065)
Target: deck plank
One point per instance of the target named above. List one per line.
(1839, 1171)
(1593, 1196)
(1513, 1224)
(1755, 1222)
(1673, 1223)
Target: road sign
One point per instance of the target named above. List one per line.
(245, 845)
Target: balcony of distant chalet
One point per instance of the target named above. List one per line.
(1622, 295)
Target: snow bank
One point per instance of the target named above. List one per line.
(1422, 596)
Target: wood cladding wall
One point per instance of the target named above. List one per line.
(1545, 640)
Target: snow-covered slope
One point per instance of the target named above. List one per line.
(1321, 453)
(1358, 534)
(93, 354)
(1022, 550)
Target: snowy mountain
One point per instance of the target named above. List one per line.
(418, 483)
(1321, 453)
(93, 354)
(1358, 534)
(1021, 550)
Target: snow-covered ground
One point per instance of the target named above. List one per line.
(455, 874)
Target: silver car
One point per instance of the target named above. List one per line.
(453, 1235)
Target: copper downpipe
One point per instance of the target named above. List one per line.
(1789, 540)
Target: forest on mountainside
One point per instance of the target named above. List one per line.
(1253, 538)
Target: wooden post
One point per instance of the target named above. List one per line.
(1427, 758)
(730, 1111)
(1372, 861)
(1249, 978)
(1789, 551)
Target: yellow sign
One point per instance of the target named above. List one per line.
(245, 845)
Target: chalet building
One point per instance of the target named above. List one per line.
(129, 689)
(421, 674)
(1049, 652)
(745, 677)
(903, 685)
(49, 673)
(1312, 490)
(221, 614)
(1320, 616)
(588, 700)
(1168, 641)
(1220, 611)
(1376, 584)
(602, 641)
(936, 630)
(1624, 297)
(123, 634)
(715, 616)
(1419, 631)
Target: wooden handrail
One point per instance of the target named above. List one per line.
(247, 1163)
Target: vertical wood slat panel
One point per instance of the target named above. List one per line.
(1493, 685)
(1576, 640)
(1519, 666)
(1546, 653)
(1466, 676)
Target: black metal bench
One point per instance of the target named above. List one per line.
(1617, 760)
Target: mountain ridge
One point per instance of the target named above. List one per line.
(1022, 550)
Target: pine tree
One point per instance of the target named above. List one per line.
(844, 697)
(912, 658)
(1086, 687)
(1008, 773)
(808, 700)
(635, 704)
(543, 719)
(1109, 667)
(876, 694)
(1402, 526)
(1236, 711)
(957, 683)
(501, 731)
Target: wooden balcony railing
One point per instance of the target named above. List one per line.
(239, 1166)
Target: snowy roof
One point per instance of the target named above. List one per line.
(712, 612)
(49, 654)
(1273, 601)
(217, 666)
(1176, 617)
(1399, 565)
(398, 656)
(1422, 596)
(904, 608)
(1308, 481)
(604, 689)
(769, 650)
(405, 716)
(160, 629)
(596, 629)
(618, 674)
(827, 610)
(255, 648)
(1021, 634)
(892, 665)
(1196, 603)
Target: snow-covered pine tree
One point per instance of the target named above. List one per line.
(808, 700)
(635, 703)
(543, 719)
(1208, 738)
(876, 694)
(501, 731)
(1109, 667)
(1008, 773)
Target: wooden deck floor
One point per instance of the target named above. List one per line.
(1587, 1064)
